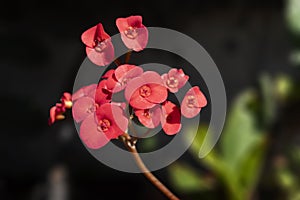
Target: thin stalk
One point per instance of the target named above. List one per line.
(130, 145)
(127, 58)
(117, 62)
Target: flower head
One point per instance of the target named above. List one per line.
(150, 118)
(108, 123)
(133, 33)
(57, 111)
(111, 120)
(175, 79)
(146, 91)
(91, 135)
(66, 100)
(170, 118)
(192, 103)
(99, 47)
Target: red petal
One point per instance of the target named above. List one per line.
(102, 95)
(159, 93)
(115, 115)
(102, 58)
(200, 101)
(66, 96)
(170, 118)
(52, 115)
(90, 134)
(152, 120)
(139, 42)
(100, 34)
(90, 90)
(109, 73)
(152, 77)
(172, 72)
(127, 71)
(122, 24)
(113, 85)
(88, 37)
(122, 70)
(96, 32)
(135, 21)
(82, 108)
(85, 91)
(189, 112)
(132, 86)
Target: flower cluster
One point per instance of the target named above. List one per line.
(146, 96)
(99, 47)
(143, 94)
(57, 111)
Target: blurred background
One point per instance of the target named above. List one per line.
(255, 44)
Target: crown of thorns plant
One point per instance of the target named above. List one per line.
(145, 93)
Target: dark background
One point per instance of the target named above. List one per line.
(41, 52)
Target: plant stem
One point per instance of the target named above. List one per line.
(117, 62)
(127, 58)
(130, 145)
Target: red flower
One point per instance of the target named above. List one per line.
(170, 119)
(150, 118)
(91, 135)
(175, 79)
(99, 47)
(57, 111)
(192, 103)
(146, 91)
(133, 33)
(108, 123)
(66, 100)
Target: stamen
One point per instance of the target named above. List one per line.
(131, 32)
(103, 125)
(172, 82)
(145, 91)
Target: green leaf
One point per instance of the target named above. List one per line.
(186, 179)
(269, 104)
(293, 16)
(241, 132)
(251, 167)
(148, 144)
(214, 162)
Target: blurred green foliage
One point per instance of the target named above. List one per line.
(238, 160)
(292, 14)
(241, 164)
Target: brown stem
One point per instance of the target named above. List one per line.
(127, 58)
(159, 185)
(117, 62)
